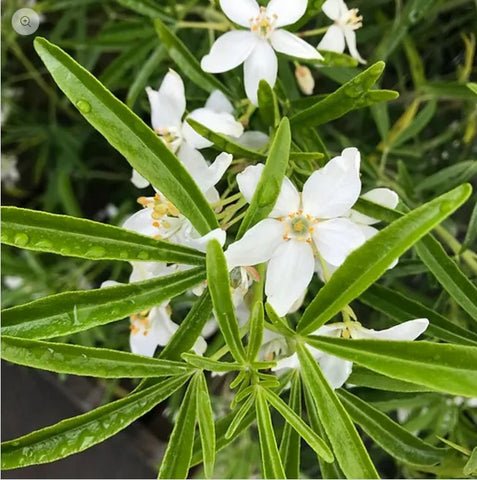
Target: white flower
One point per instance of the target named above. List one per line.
(381, 196)
(300, 227)
(342, 32)
(255, 47)
(168, 106)
(337, 370)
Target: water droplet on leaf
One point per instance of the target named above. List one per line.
(83, 106)
(21, 239)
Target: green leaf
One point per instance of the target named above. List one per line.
(177, 459)
(126, 132)
(225, 144)
(401, 308)
(219, 286)
(83, 431)
(206, 363)
(394, 439)
(448, 90)
(72, 312)
(310, 437)
(470, 467)
(363, 267)
(76, 237)
(471, 234)
(268, 104)
(449, 275)
(78, 360)
(148, 8)
(256, 331)
(347, 445)
(239, 415)
(186, 61)
(270, 183)
(472, 86)
(367, 378)
(190, 328)
(352, 95)
(272, 466)
(449, 177)
(290, 443)
(205, 416)
(443, 367)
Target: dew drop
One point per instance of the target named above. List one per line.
(83, 106)
(21, 239)
(123, 254)
(44, 244)
(96, 252)
(143, 256)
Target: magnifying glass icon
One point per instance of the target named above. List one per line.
(25, 21)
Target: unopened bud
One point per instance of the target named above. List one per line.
(305, 79)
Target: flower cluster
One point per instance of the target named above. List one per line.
(307, 232)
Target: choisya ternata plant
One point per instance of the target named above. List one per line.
(274, 282)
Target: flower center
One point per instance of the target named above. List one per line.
(140, 323)
(171, 137)
(161, 211)
(298, 226)
(263, 25)
(351, 19)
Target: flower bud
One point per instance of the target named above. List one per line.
(305, 79)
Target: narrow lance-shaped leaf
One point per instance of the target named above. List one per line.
(363, 267)
(79, 360)
(256, 331)
(219, 286)
(72, 312)
(352, 95)
(186, 61)
(443, 367)
(268, 104)
(79, 433)
(270, 183)
(272, 466)
(401, 308)
(347, 445)
(205, 416)
(177, 459)
(446, 270)
(394, 439)
(310, 437)
(126, 132)
(206, 363)
(76, 237)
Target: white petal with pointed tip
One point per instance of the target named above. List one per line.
(229, 51)
(332, 190)
(289, 44)
(219, 103)
(261, 64)
(333, 40)
(409, 330)
(138, 180)
(335, 239)
(141, 222)
(287, 11)
(257, 245)
(289, 273)
(350, 36)
(334, 9)
(288, 200)
(201, 242)
(382, 196)
(240, 11)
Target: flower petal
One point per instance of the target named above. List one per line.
(138, 180)
(335, 239)
(332, 190)
(334, 9)
(288, 200)
(286, 11)
(382, 196)
(335, 370)
(201, 242)
(289, 273)
(218, 167)
(409, 330)
(333, 40)
(141, 222)
(254, 139)
(286, 363)
(219, 103)
(229, 51)
(257, 245)
(289, 44)
(168, 103)
(217, 122)
(240, 11)
(195, 164)
(350, 36)
(261, 64)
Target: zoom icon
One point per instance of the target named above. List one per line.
(25, 21)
